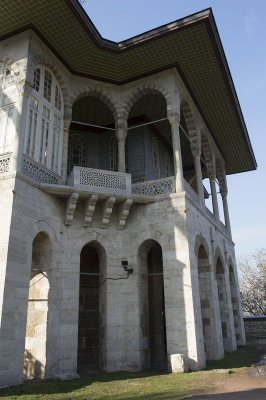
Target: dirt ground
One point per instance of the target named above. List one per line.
(249, 384)
(239, 386)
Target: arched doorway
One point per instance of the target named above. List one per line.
(211, 330)
(92, 127)
(35, 358)
(91, 325)
(235, 306)
(153, 328)
(221, 287)
(150, 152)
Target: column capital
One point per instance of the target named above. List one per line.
(174, 119)
(196, 150)
(67, 122)
(224, 193)
(121, 129)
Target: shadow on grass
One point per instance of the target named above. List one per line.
(245, 356)
(145, 385)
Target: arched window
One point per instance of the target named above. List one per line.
(77, 151)
(44, 131)
(7, 110)
(155, 158)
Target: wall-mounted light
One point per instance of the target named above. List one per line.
(125, 266)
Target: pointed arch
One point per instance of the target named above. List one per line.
(152, 304)
(191, 125)
(201, 241)
(218, 256)
(99, 93)
(141, 91)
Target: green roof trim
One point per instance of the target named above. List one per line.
(191, 44)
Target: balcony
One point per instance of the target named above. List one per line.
(99, 180)
(110, 182)
(113, 187)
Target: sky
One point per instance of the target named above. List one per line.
(242, 28)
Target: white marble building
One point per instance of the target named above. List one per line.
(109, 257)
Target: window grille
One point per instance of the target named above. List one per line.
(44, 133)
(155, 158)
(37, 79)
(167, 164)
(77, 151)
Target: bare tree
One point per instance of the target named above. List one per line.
(252, 274)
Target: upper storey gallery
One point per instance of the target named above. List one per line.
(154, 114)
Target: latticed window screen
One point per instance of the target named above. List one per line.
(155, 158)
(44, 133)
(113, 154)
(77, 151)
(167, 164)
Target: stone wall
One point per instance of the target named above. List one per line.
(255, 325)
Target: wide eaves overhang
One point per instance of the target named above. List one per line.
(191, 44)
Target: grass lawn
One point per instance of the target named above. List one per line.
(147, 385)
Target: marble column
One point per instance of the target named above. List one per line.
(226, 212)
(121, 134)
(174, 120)
(214, 198)
(67, 122)
(198, 172)
(24, 91)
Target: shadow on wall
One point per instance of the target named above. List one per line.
(32, 367)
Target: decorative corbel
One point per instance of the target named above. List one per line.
(107, 211)
(90, 204)
(123, 214)
(70, 208)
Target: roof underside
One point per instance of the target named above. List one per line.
(192, 45)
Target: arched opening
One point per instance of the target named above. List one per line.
(234, 299)
(90, 133)
(207, 304)
(153, 328)
(91, 325)
(221, 287)
(35, 358)
(150, 153)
